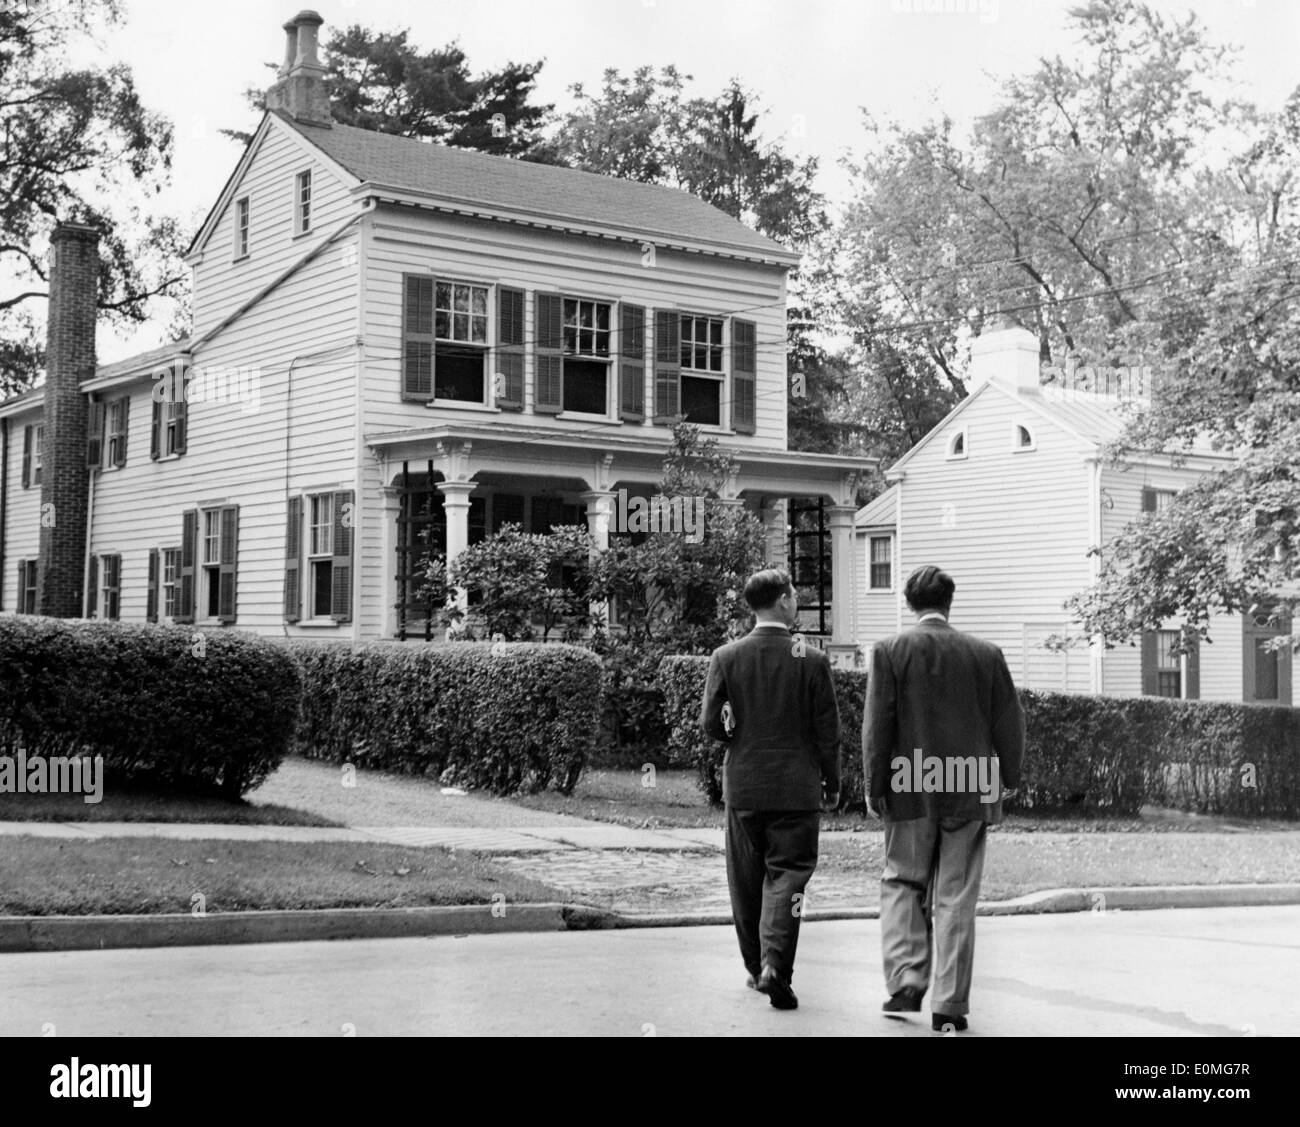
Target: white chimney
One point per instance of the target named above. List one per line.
(1009, 356)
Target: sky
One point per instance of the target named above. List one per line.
(814, 64)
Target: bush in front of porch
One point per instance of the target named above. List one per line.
(504, 717)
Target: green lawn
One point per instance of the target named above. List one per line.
(142, 804)
(116, 876)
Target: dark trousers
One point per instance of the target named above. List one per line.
(928, 894)
(771, 855)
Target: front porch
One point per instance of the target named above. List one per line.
(447, 487)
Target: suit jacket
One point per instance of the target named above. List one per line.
(786, 741)
(936, 695)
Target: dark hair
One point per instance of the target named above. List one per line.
(929, 588)
(763, 588)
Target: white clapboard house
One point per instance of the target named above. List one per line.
(1009, 493)
(398, 344)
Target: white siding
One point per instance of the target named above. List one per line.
(22, 532)
(1221, 661)
(877, 610)
(1010, 527)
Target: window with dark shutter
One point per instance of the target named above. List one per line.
(95, 435)
(226, 573)
(151, 593)
(155, 431)
(29, 591)
(27, 456)
(341, 577)
(189, 550)
(631, 366)
(548, 355)
(119, 415)
(510, 349)
(744, 379)
(112, 584)
(293, 561)
(668, 372)
(92, 588)
(417, 338)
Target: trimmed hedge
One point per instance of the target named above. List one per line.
(185, 709)
(507, 717)
(1087, 754)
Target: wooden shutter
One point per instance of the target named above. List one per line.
(189, 548)
(1148, 500)
(510, 348)
(744, 379)
(548, 355)
(341, 571)
(20, 597)
(182, 414)
(155, 431)
(95, 435)
(27, 456)
(417, 338)
(123, 409)
(92, 593)
(668, 365)
(112, 587)
(228, 555)
(151, 596)
(631, 367)
(1150, 654)
(1192, 688)
(293, 561)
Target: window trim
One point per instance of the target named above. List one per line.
(962, 435)
(609, 361)
(312, 557)
(110, 594)
(38, 446)
(302, 222)
(485, 349)
(243, 225)
(163, 585)
(115, 437)
(1017, 447)
(872, 540)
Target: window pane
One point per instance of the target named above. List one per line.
(479, 303)
(584, 386)
(462, 299)
(478, 326)
(1266, 674)
(460, 327)
(715, 333)
(602, 317)
(459, 373)
(444, 296)
(701, 401)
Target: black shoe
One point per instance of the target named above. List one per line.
(779, 992)
(942, 1023)
(751, 981)
(906, 1001)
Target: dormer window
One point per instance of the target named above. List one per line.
(957, 447)
(1023, 437)
(302, 203)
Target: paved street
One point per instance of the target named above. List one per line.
(1187, 973)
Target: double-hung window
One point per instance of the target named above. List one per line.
(444, 340)
(587, 356)
(882, 571)
(241, 227)
(302, 202)
(702, 370)
(320, 555)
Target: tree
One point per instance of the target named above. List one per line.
(380, 81)
(74, 139)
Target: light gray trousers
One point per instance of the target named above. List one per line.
(931, 885)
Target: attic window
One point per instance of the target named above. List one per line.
(302, 202)
(1023, 438)
(957, 445)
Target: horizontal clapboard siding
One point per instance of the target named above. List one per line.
(1011, 528)
(23, 519)
(222, 285)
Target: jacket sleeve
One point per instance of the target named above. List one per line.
(1008, 725)
(826, 726)
(715, 696)
(879, 724)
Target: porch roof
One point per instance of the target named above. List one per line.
(523, 448)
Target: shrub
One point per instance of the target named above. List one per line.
(185, 709)
(1087, 754)
(504, 718)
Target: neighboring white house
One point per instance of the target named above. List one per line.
(1008, 494)
(399, 345)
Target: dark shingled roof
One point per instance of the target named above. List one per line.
(565, 195)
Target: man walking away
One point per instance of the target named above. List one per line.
(942, 735)
(769, 697)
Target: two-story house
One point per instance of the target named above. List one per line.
(1009, 493)
(398, 346)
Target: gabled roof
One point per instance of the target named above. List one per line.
(881, 512)
(581, 199)
(24, 401)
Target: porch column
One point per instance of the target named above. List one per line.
(843, 650)
(392, 509)
(775, 518)
(600, 508)
(455, 504)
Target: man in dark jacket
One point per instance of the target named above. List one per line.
(769, 696)
(943, 734)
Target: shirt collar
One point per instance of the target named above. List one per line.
(771, 626)
(932, 616)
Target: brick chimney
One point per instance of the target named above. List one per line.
(69, 359)
(300, 88)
